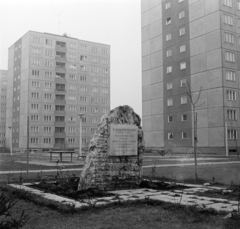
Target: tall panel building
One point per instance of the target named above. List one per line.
(188, 45)
(3, 100)
(52, 79)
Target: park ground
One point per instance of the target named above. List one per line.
(145, 214)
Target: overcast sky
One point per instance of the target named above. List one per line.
(113, 22)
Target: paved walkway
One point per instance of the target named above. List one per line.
(144, 167)
(186, 196)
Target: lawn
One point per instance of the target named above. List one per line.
(145, 214)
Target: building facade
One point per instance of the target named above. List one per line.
(3, 101)
(188, 46)
(51, 79)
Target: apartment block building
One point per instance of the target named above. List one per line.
(3, 101)
(188, 45)
(51, 79)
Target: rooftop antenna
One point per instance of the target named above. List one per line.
(59, 22)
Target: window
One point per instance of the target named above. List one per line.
(34, 106)
(83, 68)
(169, 69)
(72, 56)
(93, 130)
(34, 140)
(48, 74)
(35, 72)
(182, 48)
(104, 61)
(83, 48)
(169, 52)
(36, 62)
(84, 119)
(72, 77)
(94, 120)
(167, 5)
(47, 107)
(84, 130)
(184, 99)
(105, 90)
(104, 100)
(72, 129)
(230, 75)
(47, 118)
(230, 57)
(83, 88)
(34, 129)
(83, 109)
(47, 129)
(48, 85)
(228, 19)
(232, 134)
(168, 21)
(94, 50)
(168, 37)
(35, 95)
(170, 119)
(231, 95)
(105, 51)
(169, 102)
(94, 110)
(94, 79)
(183, 65)
(36, 40)
(47, 140)
(182, 31)
(181, 14)
(170, 136)
(49, 63)
(184, 117)
(72, 108)
(71, 141)
(73, 67)
(72, 98)
(94, 69)
(83, 99)
(105, 110)
(47, 96)
(49, 52)
(34, 118)
(73, 46)
(35, 84)
(84, 58)
(169, 86)
(48, 42)
(83, 78)
(94, 89)
(227, 3)
(72, 87)
(71, 119)
(36, 50)
(232, 114)
(229, 38)
(184, 135)
(183, 83)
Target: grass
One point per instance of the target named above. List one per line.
(141, 214)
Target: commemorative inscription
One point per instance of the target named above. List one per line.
(123, 140)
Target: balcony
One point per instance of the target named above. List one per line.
(60, 77)
(60, 67)
(60, 124)
(60, 110)
(61, 46)
(61, 56)
(60, 88)
(60, 101)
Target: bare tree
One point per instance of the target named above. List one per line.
(194, 106)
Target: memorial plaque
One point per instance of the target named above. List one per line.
(123, 140)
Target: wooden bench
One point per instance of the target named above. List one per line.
(61, 152)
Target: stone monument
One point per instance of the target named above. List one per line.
(114, 158)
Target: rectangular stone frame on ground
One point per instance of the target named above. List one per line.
(123, 140)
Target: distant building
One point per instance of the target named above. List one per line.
(196, 43)
(3, 101)
(51, 79)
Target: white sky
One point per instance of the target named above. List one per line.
(113, 22)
